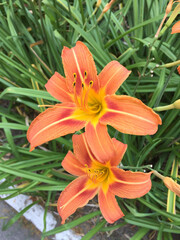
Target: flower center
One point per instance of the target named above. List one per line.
(97, 174)
(91, 104)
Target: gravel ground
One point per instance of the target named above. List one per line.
(21, 230)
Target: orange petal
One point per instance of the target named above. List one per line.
(176, 28)
(129, 115)
(75, 195)
(130, 184)
(178, 69)
(81, 149)
(79, 60)
(72, 165)
(109, 206)
(112, 76)
(53, 123)
(100, 142)
(56, 86)
(120, 149)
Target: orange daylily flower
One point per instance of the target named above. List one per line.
(176, 28)
(89, 101)
(99, 175)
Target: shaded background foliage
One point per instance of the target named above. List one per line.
(32, 36)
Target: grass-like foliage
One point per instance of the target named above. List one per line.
(32, 36)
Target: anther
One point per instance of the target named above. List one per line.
(74, 84)
(91, 83)
(82, 85)
(85, 74)
(75, 76)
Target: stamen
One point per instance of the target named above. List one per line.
(97, 175)
(82, 85)
(85, 75)
(75, 76)
(85, 102)
(75, 94)
(91, 83)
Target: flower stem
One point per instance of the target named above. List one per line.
(158, 174)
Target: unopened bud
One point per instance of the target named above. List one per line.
(169, 7)
(169, 183)
(172, 185)
(98, 3)
(176, 104)
(108, 6)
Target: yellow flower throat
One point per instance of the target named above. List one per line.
(97, 174)
(90, 104)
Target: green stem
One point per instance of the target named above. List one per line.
(146, 65)
(167, 65)
(158, 174)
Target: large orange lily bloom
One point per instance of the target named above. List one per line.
(99, 175)
(176, 28)
(89, 101)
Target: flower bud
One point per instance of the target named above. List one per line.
(108, 6)
(176, 104)
(98, 3)
(169, 7)
(172, 185)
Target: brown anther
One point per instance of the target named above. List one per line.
(74, 84)
(85, 74)
(91, 83)
(82, 85)
(75, 76)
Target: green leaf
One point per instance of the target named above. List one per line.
(28, 93)
(94, 230)
(72, 224)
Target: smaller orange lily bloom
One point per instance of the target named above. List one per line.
(89, 100)
(176, 28)
(103, 178)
